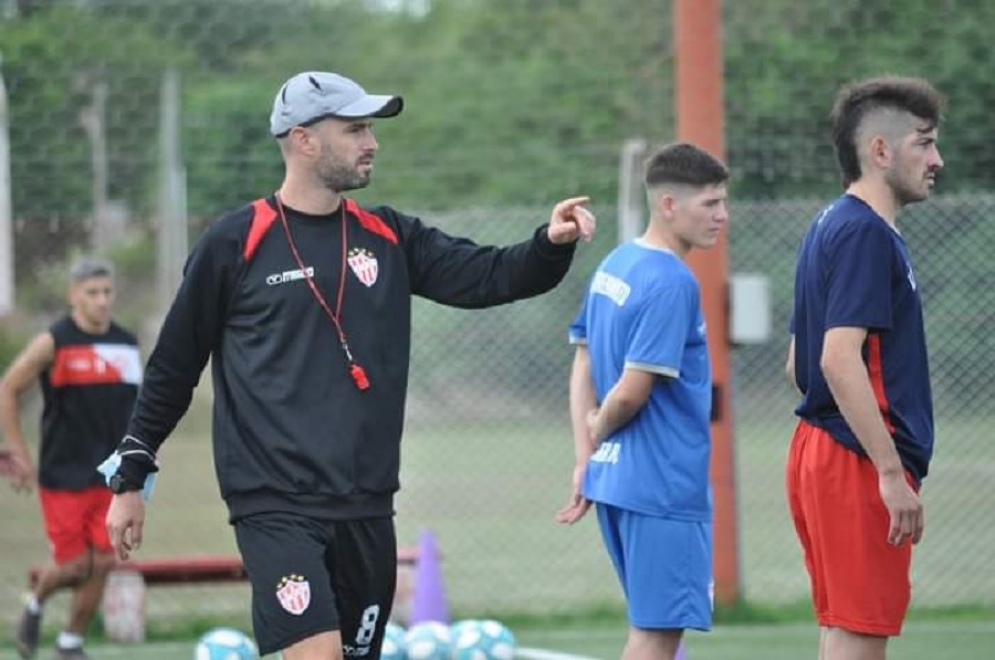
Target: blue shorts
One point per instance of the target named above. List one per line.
(665, 567)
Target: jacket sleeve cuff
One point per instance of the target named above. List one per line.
(550, 250)
(137, 460)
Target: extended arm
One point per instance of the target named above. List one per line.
(458, 272)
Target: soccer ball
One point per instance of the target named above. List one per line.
(226, 644)
(456, 630)
(393, 643)
(428, 641)
(483, 640)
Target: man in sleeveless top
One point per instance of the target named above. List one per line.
(89, 369)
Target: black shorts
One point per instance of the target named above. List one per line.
(312, 576)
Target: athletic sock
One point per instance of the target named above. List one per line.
(68, 640)
(33, 605)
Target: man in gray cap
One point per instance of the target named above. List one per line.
(303, 301)
(310, 97)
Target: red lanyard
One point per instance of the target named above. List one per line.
(355, 370)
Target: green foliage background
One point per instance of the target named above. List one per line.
(506, 101)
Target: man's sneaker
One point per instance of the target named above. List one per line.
(28, 630)
(71, 654)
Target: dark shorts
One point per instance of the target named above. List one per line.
(313, 576)
(860, 582)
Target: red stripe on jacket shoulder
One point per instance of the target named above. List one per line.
(371, 222)
(263, 217)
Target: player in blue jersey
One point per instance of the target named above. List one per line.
(858, 357)
(640, 403)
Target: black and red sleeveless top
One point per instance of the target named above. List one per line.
(89, 392)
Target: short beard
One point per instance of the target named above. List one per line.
(904, 194)
(339, 178)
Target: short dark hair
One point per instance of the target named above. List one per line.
(683, 163)
(87, 267)
(856, 100)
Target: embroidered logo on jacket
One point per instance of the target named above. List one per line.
(364, 265)
(289, 276)
(294, 594)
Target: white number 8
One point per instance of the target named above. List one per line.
(368, 625)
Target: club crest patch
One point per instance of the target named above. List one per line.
(294, 594)
(364, 265)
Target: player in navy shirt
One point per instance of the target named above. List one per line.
(640, 401)
(858, 358)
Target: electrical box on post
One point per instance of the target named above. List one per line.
(749, 309)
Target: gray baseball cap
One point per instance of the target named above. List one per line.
(312, 96)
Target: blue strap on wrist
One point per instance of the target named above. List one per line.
(111, 465)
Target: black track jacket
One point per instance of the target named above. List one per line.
(291, 430)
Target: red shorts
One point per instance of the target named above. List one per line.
(860, 582)
(75, 520)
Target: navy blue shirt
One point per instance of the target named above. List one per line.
(854, 271)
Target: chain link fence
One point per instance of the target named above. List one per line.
(948, 237)
(511, 106)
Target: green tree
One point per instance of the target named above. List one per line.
(230, 155)
(785, 61)
(223, 33)
(510, 108)
(50, 62)
(504, 105)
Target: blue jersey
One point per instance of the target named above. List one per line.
(854, 271)
(642, 310)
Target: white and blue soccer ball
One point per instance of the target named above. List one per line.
(457, 628)
(482, 640)
(429, 640)
(393, 647)
(226, 644)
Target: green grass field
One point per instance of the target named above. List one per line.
(923, 640)
(489, 491)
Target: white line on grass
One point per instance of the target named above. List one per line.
(540, 654)
(142, 649)
(150, 650)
